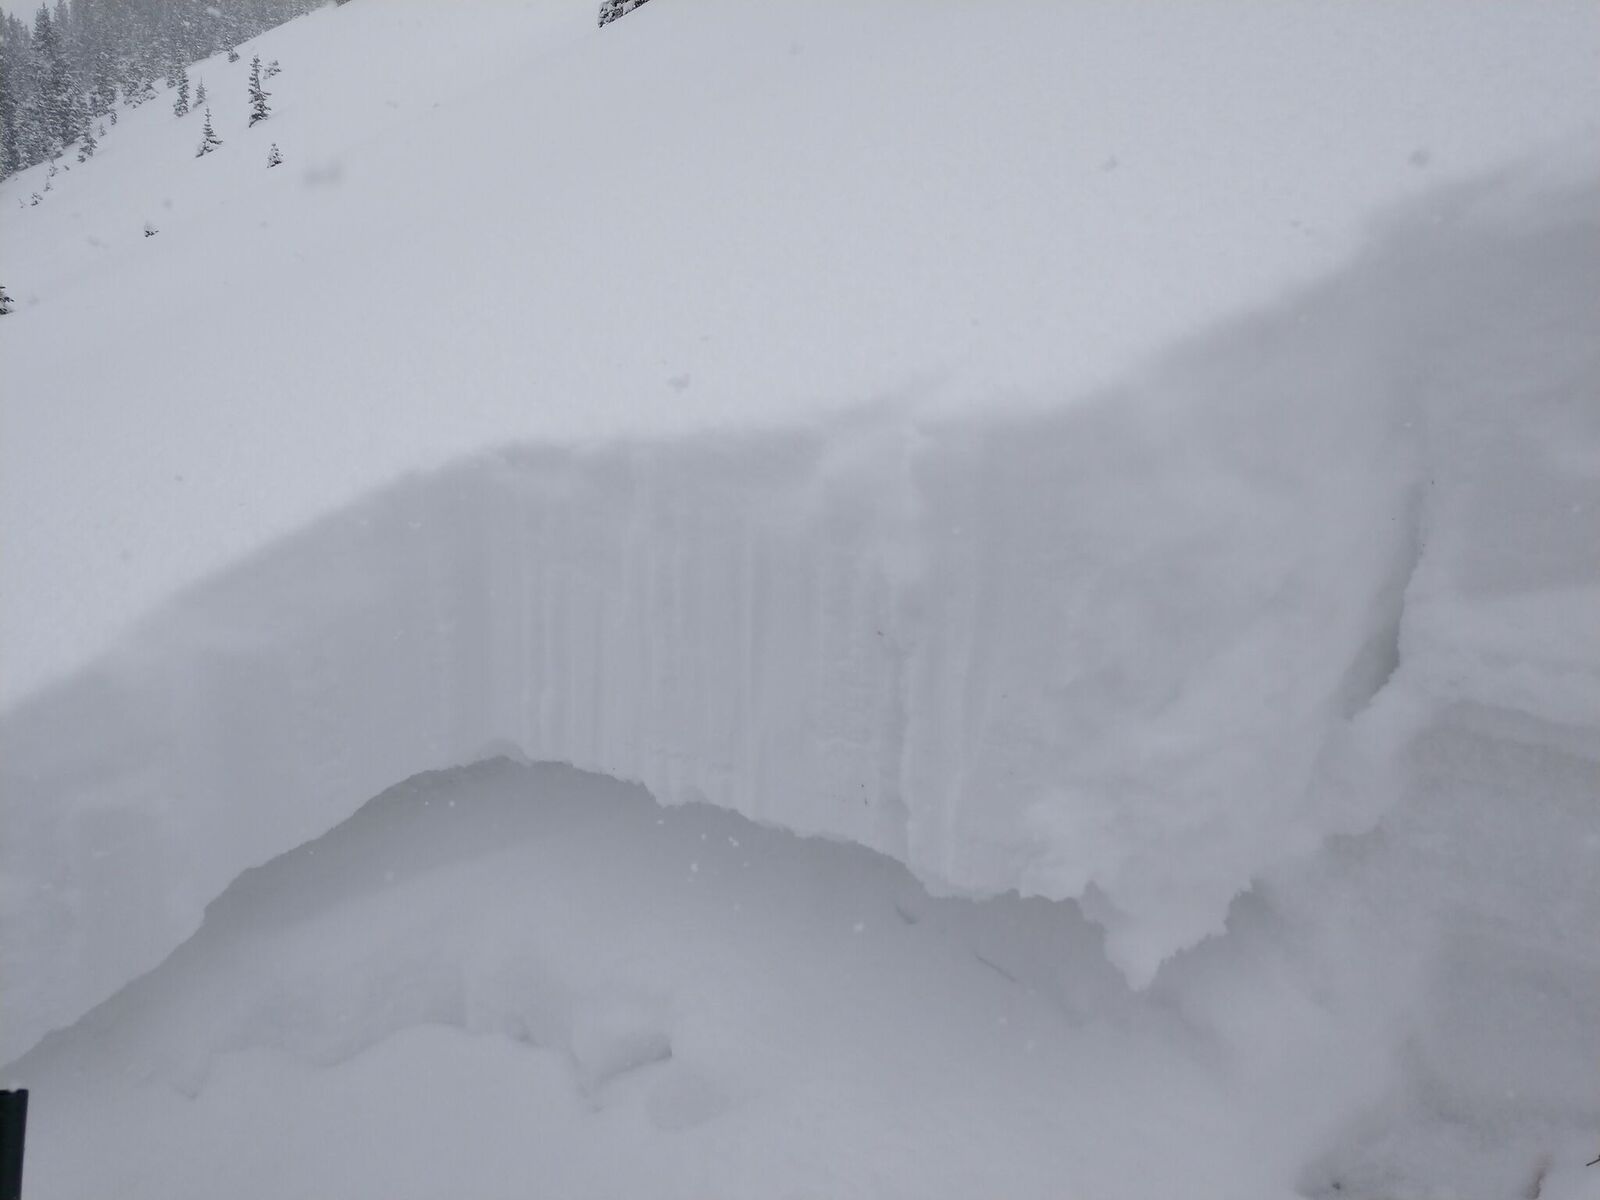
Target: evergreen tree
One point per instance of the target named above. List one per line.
(138, 89)
(233, 54)
(258, 98)
(6, 304)
(71, 66)
(35, 139)
(273, 68)
(53, 83)
(87, 144)
(11, 86)
(102, 71)
(274, 158)
(209, 140)
(180, 106)
(200, 93)
(77, 108)
(610, 10)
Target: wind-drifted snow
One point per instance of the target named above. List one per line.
(1053, 652)
(1121, 651)
(850, 421)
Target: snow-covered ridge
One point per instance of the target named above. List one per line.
(1123, 650)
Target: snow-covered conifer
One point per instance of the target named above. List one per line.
(180, 105)
(209, 140)
(258, 97)
(610, 10)
(273, 157)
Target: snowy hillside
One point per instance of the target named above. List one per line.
(1144, 460)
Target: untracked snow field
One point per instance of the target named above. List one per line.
(812, 599)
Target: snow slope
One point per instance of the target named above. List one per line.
(496, 222)
(1011, 441)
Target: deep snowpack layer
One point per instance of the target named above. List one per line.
(1009, 654)
(1136, 651)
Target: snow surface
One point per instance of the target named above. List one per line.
(1146, 458)
(496, 222)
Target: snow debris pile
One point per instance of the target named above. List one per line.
(605, 997)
